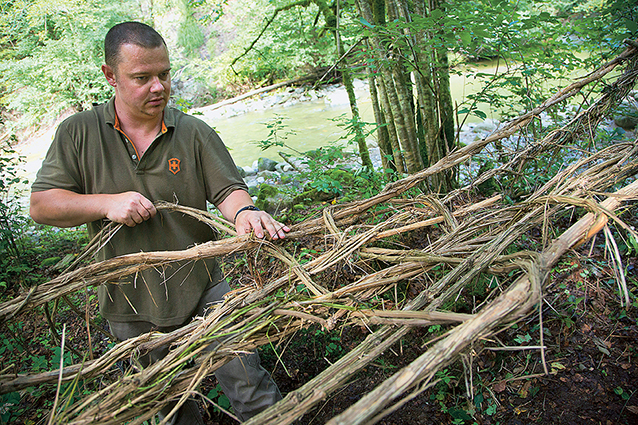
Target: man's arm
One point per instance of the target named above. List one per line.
(64, 208)
(248, 220)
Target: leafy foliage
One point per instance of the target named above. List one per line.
(296, 40)
(51, 56)
(50, 52)
(328, 169)
(11, 218)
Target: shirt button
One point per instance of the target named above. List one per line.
(134, 157)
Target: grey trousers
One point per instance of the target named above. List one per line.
(248, 386)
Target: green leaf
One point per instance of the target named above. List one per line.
(436, 14)
(366, 23)
(478, 399)
(466, 37)
(459, 414)
(631, 25)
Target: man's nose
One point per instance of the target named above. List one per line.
(156, 85)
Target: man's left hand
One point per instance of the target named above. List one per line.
(236, 207)
(259, 221)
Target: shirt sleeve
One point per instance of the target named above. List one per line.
(220, 172)
(60, 168)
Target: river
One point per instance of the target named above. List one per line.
(313, 123)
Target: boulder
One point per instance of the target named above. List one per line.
(626, 116)
(253, 187)
(272, 200)
(626, 122)
(266, 164)
(249, 171)
(270, 176)
(488, 126)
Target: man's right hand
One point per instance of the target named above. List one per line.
(64, 208)
(129, 208)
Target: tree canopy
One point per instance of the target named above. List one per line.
(51, 52)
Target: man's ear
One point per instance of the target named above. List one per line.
(109, 74)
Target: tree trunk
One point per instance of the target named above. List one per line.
(383, 138)
(421, 96)
(446, 119)
(445, 108)
(396, 103)
(414, 160)
(397, 154)
(387, 133)
(433, 93)
(359, 137)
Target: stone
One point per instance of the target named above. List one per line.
(626, 122)
(487, 126)
(270, 176)
(249, 171)
(266, 164)
(283, 167)
(272, 200)
(627, 114)
(253, 187)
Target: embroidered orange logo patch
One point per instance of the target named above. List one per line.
(173, 165)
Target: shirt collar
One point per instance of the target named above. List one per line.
(111, 116)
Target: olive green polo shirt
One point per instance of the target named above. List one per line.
(187, 163)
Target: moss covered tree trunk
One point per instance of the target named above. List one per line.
(383, 138)
(445, 133)
(419, 102)
(389, 122)
(403, 117)
(357, 124)
(387, 133)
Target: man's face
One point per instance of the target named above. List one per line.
(142, 81)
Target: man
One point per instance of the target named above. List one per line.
(112, 163)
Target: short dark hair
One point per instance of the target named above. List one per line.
(129, 33)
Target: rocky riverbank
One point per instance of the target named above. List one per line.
(276, 185)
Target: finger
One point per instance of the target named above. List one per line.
(144, 213)
(243, 230)
(129, 222)
(276, 229)
(271, 228)
(256, 225)
(243, 225)
(149, 209)
(282, 230)
(137, 217)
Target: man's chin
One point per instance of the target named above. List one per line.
(153, 109)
